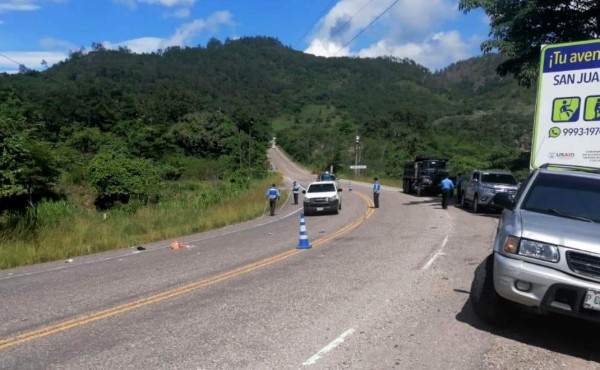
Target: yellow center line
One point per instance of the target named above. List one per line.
(100, 315)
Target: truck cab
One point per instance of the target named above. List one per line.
(424, 175)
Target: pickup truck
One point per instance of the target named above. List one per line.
(321, 197)
(479, 188)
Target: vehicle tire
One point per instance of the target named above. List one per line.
(461, 199)
(487, 304)
(405, 187)
(419, 191)
(475, 204)
(340, 208)
(337, 210)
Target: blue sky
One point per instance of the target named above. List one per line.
(434, 33)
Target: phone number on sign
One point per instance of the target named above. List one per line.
(581, 131)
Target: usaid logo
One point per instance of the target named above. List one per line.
(561, 155)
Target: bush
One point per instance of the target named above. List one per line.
(118, 178)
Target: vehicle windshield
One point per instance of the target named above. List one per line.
(320, 188)
(434, 165)
(499, 178)
(565, 196)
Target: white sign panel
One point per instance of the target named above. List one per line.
(567, 119)
(358, 166)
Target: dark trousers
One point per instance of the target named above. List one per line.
(295, 198)
(273, 204)
(446, 194)
(376, 199)
(458, 195)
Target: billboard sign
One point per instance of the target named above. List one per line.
(567, 117)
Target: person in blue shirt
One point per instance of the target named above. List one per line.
(376, 191)
(447, 187)
(296, 189)
(273, 196)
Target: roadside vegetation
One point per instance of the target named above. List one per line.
(57, 230)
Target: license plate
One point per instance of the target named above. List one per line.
(592, 300)
(319, 209)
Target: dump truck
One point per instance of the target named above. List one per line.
(424, 175)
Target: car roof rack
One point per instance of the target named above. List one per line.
(547, 166)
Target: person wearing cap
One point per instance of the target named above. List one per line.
(376, 191)
(273, 196)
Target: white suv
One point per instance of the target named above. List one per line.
(546, 253)
(322, 196)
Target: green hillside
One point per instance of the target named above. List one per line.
(208, 112)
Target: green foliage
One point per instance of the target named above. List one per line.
(118, 178)
(520, 28)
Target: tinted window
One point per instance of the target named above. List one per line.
(499, 178)
(434, 165)
(320, 188)
(566, 195)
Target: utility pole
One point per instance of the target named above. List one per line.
(356, 150)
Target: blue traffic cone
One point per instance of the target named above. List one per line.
(350, 186)
(303, 244)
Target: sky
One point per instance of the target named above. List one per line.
(434, 33)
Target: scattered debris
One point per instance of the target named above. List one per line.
(140, 248)
(178, 245)
(69, 260)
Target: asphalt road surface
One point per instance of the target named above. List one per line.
(380, 288)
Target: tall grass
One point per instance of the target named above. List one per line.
(63, 230)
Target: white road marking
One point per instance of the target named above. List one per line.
(436, 255)
(339, 340)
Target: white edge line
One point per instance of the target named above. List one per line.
(336, 342)
(436, 255)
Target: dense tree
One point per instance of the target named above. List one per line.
(520, 28)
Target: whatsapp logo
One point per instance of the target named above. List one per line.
(554, 132)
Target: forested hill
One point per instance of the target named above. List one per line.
(220, 103)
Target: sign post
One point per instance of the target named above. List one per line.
(567, 118)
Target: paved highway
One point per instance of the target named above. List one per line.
(380, 289)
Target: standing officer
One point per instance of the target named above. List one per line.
(296, 190)
(376, 190)
(447, 187)
(273, 195)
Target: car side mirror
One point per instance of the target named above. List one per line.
(340, 189)
(504, 200)
(303, 191)
(475, 180)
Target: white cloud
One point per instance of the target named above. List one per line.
(183, 4)
(56, 44)
(184, 35)
(180, 13)
(170, 3)
(22, 5)
(410, 29)
(31, 59)
(18, 5)
(186, 32)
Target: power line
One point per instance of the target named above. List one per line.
(350, 20)
(12, 60)
(328, 8)
(369, 25)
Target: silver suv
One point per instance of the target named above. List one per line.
(481, 186)
(546, 253)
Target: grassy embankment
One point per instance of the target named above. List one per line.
(64, 230)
